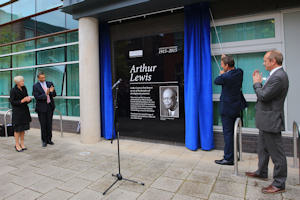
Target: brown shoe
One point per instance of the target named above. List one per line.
(254, 175)
(271, 189)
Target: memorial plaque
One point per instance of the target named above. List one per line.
(151, 99)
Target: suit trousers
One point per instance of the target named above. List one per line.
(45, 119)
(271, 145)
(228, 129)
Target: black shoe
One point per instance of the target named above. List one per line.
(44, 144)
(51, 143)
(224, 162)
(18, 150)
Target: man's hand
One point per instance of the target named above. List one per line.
(257, 77)
(51, 88)
(222, 72)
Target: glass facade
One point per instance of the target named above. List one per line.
(42, 51)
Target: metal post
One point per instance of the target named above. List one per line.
(5, 124)
(237, 124)
(295, 135)
(61, 123)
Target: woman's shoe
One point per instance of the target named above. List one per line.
(18, 150)
(23, 148)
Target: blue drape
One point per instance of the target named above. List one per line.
(198, 78)
(107, 112)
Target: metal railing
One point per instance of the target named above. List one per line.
(10, 110)
(295, 136)
(237, 127)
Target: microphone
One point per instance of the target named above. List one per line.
(116, 84)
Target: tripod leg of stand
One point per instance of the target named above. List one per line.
(140, 183)
(110, 186)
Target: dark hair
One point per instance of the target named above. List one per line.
(277, 55)
(228, 60)
(40, 73)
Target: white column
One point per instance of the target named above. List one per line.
(89, 80)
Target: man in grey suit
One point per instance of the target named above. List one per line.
(269, 119)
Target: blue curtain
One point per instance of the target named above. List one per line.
(107, 112)
(198, 78)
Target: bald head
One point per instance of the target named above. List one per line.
(169, 98)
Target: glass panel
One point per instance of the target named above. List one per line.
(3, 1)
(248, 62)
(51, 56)
(23, 8)
(61, 105)
(215, 72)
(73, 107)
(72, 36)
(50, 22)
(217, 116)
(5, 81)
(22, 60)
(42, 5)
(70, 22)
(23, 46)
(5, 49)
(244, 31)
(51, 41)
(73, 80)
(28, 75)
(5, 14)
(72, 53)
(4, 103)
(23, 29)
(55, 75)
(5, 62)
(249, 115)
(6, 34)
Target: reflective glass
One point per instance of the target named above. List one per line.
(51, 56)
(70, 22)
(22, 8)
(249, 115)
(5, 14)
(73, 80)
(23, 60)
(51, 41)
(5, 49)
(5, 62)
(73, 107)
(5, 81)
(42, 5)
(72, 36)
(61, 105)
(217, 116)
(244, 31)
(28, 75)
(6, 34)
(50, 22)
(23, 29)
(248, 63)
(55, 75)
(72, 53)
(23, 46)
(4, 103)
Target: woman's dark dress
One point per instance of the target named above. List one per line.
(20, 111)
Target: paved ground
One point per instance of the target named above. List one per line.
(71, 170)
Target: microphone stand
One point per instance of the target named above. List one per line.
(116, 124)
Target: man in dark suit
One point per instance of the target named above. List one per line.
(43, 92)
(231, 80)
(269, 119)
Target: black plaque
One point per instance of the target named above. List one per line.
(151, 99)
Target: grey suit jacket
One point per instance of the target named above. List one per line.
(269, 107)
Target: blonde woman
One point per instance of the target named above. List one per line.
(20, 112)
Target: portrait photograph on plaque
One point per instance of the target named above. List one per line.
(169, 102)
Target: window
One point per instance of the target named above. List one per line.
(72, 53)
(5, 14)
(244, 31)
(70, 22)
(23, 46)
(22, 8)
(23, 60)
(6, 34)
(50, 22)
(51, 41)
(73, 80)
(5, 81)
(23, 29)
(242, 38)
(42, 5)
(51, 56)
